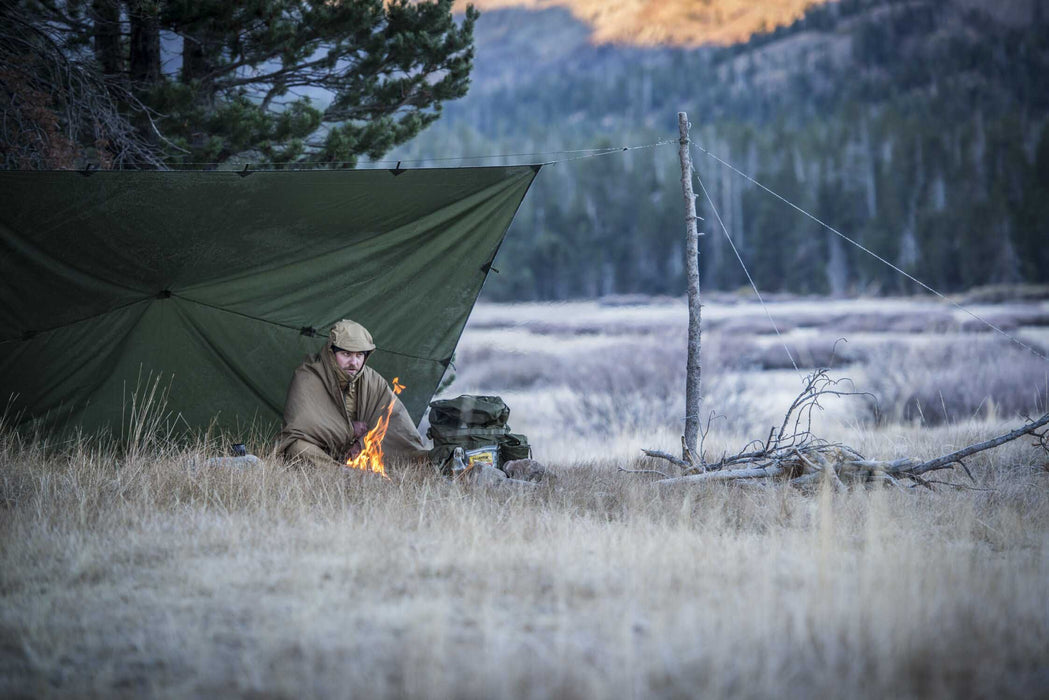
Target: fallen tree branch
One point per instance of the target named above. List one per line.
(956, 457)
(911, 468)
(676, 461)
(792, 452)
(726, 475)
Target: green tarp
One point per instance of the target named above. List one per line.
(215, 281)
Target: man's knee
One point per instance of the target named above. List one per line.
(304, 451)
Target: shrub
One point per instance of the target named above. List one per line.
(929, 321)
(487, 368)
(1002, 293)
(936, 383)
(639, 387)
(629, 386)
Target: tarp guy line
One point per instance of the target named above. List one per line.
(747, 273)
(876, 256)
(248, 168)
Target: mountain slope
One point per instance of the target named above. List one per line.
(693, 23)
(669, 22)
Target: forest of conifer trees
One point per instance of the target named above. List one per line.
(917, 129)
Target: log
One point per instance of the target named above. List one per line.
(727, 475)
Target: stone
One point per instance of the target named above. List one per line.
(487, 476)
(244, 462)
(525, 470)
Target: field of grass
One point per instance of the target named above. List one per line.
(144, 573)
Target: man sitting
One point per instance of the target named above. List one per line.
(334, 400)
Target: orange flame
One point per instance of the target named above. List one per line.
(371, 457)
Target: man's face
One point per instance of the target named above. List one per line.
(350, 362)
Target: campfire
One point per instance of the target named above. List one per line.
(371, 458)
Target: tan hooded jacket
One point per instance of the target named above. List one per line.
(323, 402)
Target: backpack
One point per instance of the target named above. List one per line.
(478, 425)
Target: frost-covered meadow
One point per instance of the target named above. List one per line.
(141, 574)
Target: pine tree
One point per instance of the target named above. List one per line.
(278, 80)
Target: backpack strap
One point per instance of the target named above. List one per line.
(446, 434)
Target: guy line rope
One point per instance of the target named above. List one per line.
(838, 233)
(830, 228)
(746, 271)
(576, 154)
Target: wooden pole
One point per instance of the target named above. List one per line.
(694, 366)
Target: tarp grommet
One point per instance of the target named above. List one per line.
(164, 294)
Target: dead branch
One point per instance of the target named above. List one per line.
(911, 469)
(727, 475)
(792, 438)
(668, 457)
(793, 453)
(956, 457)
(1042, 440)
(59, 112)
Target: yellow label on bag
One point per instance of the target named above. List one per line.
(482, 456)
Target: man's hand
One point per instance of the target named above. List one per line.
(360, 429)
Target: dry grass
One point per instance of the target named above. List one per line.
(154, 579)
(142, 573)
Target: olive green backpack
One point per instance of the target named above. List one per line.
(478, 425)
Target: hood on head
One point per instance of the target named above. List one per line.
(350, 335)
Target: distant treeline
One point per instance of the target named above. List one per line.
(917, 129)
